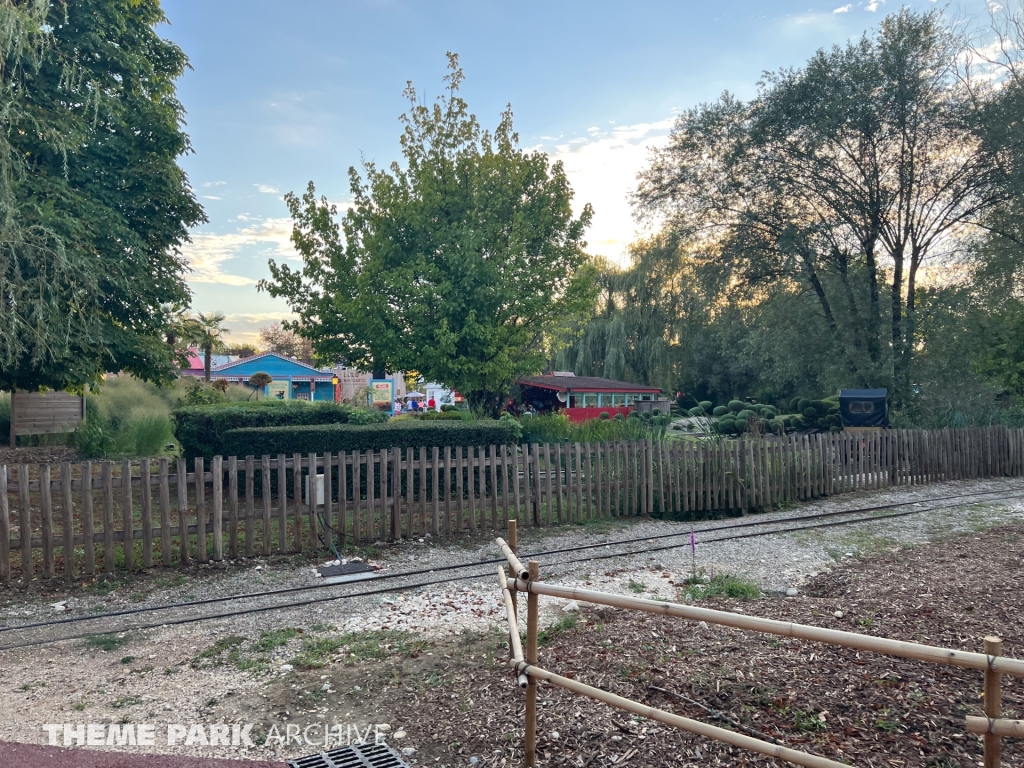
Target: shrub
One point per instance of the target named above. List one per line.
(809, 413)
(657, 411)
(802, 405)
(707, 405)
(201, 429)
(317, 438)
(448, 408)
(696, 411)
(604, 416)
(736, 405)
(437, 416)
(619, 417)
(719, 411)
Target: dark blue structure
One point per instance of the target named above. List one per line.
(864, 407)
(297, 381)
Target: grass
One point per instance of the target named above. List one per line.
(564, 624)
(107, 643)
(721, 585)
(274, 638)
(636, 586)
(215, 654)
(127, 701)
(357, 646)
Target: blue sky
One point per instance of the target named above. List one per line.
(283, 93)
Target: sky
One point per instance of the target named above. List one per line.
(280, 94)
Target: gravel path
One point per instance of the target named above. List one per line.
(151, 676)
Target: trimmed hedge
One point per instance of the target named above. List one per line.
(333, 438)
(201, 428)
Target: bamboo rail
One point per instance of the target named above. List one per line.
(70, 521)
(677, 721)
(992, 727)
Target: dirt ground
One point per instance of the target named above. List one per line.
(454, 701)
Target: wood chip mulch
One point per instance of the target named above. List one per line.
(858, 708)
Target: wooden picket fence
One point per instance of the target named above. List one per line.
(71, 519)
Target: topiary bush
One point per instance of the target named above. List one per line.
(736, 405)
(809, 413)
(695, 411)
(719, 411)
(707, 405)
(604, 416)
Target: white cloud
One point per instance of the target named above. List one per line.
(602, 169)
(214, 183)
(211, 197)
(267, 189)
(843, 8)
(207, 252)
(873, 5)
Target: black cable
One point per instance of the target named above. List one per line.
(445, 568)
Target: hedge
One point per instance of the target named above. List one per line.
(333, 438)
(201, 428)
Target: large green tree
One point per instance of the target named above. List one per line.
(464, 262)
(93, 206)
(843, 180)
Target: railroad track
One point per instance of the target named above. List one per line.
(170, 614)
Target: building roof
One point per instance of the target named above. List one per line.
(278, 366)
(864, 394)
(583, 384)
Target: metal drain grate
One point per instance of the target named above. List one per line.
(355, 756)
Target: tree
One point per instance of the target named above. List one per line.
(241, 350)
(464, 263)
(209, 337)
(258, 381)
(286, 341)
(841, 180)
(93, 207)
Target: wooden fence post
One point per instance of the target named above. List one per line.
(993, 703)
(250, 506)
(25, 523)
(282, 504)
(87, 519)
(218, 508)
(68, 507)
(165, 513)
(5, 529)
(127, 520)
(146, 497)
(532, 618)
(46, 513)
(535, 460)
(232, 507)
(200, 509)
(181, 481)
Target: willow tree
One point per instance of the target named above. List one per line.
(93, 206)
(463, 262)
(842, 179)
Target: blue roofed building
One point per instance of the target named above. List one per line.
(292, 380)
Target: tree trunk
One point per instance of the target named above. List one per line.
(207, 362)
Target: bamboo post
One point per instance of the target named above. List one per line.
(218, 508)
(165, 512)
(993, 703)
(147, 514)
(181, 481)
(1013, 729)
(5, 529)
(46, 513)
(201, 553)
(25, 523)
(127, 521)
(532, 619)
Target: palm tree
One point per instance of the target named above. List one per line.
(258, 381)
(209, 337)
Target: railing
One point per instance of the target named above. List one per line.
(526, 579)
(71, 519)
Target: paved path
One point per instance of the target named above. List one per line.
(36, 756)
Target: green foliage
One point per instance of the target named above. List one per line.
(5, 417)
(201, 430)
(93, 207)
(720, 410)
(707, 405)
(721, 585)
(464, 263)
(736, 405)
(697, 411)
(337, 437)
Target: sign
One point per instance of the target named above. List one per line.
(382, 394)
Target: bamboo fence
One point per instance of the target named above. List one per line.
(72, 519)
(991, 662)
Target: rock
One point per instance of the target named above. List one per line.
(383, 727)
(703, 625)
(325, 687)
(838, 614)
(59, 607)
(792, 592)
(406, 751)
(571, 606)
(399, 734)
(555, 735)
(287, 667)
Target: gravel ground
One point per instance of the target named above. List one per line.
(159, 675)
